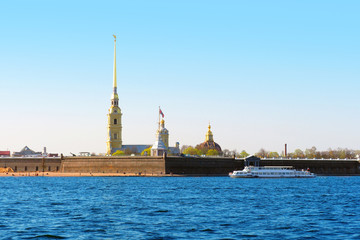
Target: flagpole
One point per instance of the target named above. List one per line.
(159, 117)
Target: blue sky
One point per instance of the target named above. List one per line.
(264, 73)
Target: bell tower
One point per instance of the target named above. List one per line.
(164, 133)
(114, 139)
(209, 135)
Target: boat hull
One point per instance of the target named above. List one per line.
(255, 176)
(271, 172)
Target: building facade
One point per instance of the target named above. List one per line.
(27, 152)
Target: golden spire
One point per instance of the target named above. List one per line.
(115, 97)
(115, 85)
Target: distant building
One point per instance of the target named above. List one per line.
(175, 150)
(84, 154)
(53, 155)
(161, 144)
(114, 141)
(4, 153)
(27, 152)
(159, 148)
(164, 133)
(209, 141)
(135, 149)
(114, 128)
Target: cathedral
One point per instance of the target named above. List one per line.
(114, 129)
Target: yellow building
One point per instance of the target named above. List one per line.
(164, 133)
(114, 140)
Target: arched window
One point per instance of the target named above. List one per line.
(115, 121)
(115, 136)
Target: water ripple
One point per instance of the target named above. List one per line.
(180, 208)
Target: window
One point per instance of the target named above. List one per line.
(15, 168)
(115, 135)
(115, 121)
(25, 168)
(37, 168)
(57, 169)
(49, 169)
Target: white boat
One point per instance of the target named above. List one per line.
(271, 172)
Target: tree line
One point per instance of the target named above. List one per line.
(311, 153)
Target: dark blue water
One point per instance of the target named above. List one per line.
(179, 208)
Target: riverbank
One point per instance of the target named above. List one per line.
(60, 174)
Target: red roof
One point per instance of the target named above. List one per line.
(7, 153)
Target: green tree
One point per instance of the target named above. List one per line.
(331, 153)
(298, 153)
(273, 155)
(146, 152)
(310, 153)
(262, 153)
(342, 154)
(226, 153)
(183, 147)
(192, 151)
(212, 152)
(118, 153)
(203, 150)
(243, 154)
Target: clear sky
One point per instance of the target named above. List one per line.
(264, 73)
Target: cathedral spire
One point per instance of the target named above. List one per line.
(115, 97)
(115, 83)
(114, 141)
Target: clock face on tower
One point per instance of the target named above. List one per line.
(115, 111)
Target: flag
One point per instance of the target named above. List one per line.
(161, 113)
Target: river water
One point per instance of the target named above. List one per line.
(179, 208)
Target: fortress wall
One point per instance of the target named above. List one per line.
(202, 165)
(175, 165)
(123, 164)
(318, 166)
(19, 164)
(222, 166)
